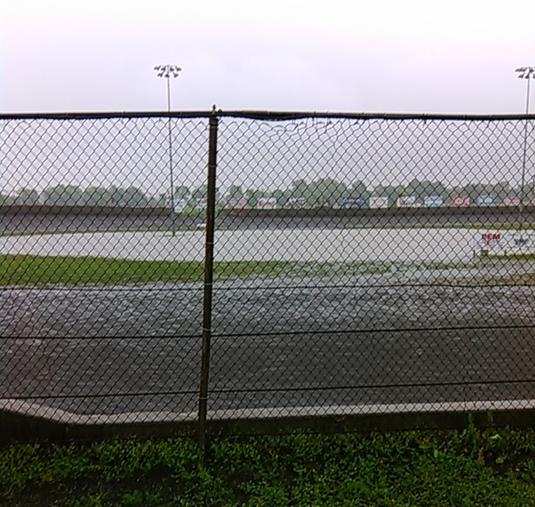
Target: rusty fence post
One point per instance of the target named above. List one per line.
(208, 278)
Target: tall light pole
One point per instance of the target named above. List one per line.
(168, 71)
(526, 73)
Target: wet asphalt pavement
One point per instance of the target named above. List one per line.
(292, 343)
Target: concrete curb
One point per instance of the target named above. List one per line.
(22, 420)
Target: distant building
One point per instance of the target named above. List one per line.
(378, 202)
(434, 201)
(236, 202)
(511, 201)
(180, 205)
(354, 203)
(296, 203)
(460, 201)
(266, 203)
(408, 202)
(201, 203)
(486, 200)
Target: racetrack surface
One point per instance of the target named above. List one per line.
(277, 343)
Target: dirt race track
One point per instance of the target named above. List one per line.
(276, 344)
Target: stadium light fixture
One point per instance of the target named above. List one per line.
(527, 73)
(168, 71)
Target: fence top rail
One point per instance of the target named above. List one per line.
(261, 115)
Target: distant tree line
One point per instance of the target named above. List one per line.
(72, 195)
(321, 192)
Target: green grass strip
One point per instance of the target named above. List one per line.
(453, 225)
(34, 270)
(66, 270)
(514, 257)
(465, 468)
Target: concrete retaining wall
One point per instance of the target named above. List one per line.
(30, 422)
(50, 219)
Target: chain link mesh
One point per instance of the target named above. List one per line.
(362, 265)
(377, 293)
(100, 303)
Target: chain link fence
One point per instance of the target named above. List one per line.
(360, 264)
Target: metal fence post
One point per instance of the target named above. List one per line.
(208, 278)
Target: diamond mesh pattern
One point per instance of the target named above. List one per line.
(391, 308)
(100, 304)
(362, 265)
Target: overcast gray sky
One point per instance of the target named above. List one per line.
(373, 55)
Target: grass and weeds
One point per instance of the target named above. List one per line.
(34, 270)
(400, 469)
(438, 265)
(514, 257)
(453, 225)
(506, 280)
(70, 270)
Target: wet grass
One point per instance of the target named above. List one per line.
(478, 226)
(515, 270)
(469, 468)
(512, 280)
(515, 257)
(437, 265)
(33, 270)
(70, 270)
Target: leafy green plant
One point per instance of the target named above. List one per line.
(469, 467)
